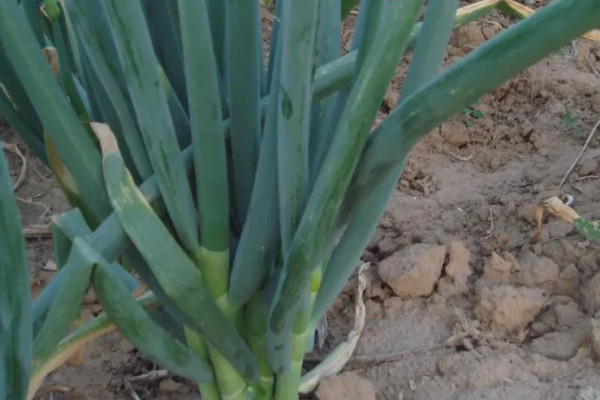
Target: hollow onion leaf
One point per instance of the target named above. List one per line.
(163, 24)
(94, 36)
(17, 94)
(67, 305)
(371, 11)
(143, 77)
(244, 66)
(431, 44)
(298, 32)
(259, 242)
(216, 9)
(328, 46)
(15, 311)
(208, 137)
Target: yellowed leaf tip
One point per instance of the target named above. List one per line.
(557, 208)
(51, 57)
(105, 136)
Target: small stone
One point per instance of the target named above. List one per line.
(345, 386)
(509, 309)
(413, 271)
(560, 346)
(568, 314)
(50, 266)
(591, 294)
(170, 386)
(588, 167)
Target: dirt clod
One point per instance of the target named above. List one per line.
(567, 314)
(346, 386)
(498, 270)
(457, 271)
(556, 345)
(413, 271)
(538, 272)
(455, 133)
(509, 309)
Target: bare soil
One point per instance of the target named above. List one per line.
(504, 317)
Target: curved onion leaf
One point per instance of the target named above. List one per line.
(177, 274)
(137, 326)
(67, 304)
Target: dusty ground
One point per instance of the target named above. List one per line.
(496, 315)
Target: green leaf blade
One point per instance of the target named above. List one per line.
(182, 282)
(15, 311)
(208, 137)
(431, 44)
(94, 36)
(137, 326)
(69, 297)
(141, 71)
(298, 40)
(259, 243)
(244, 66)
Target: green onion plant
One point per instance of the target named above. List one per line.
(221, 199)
